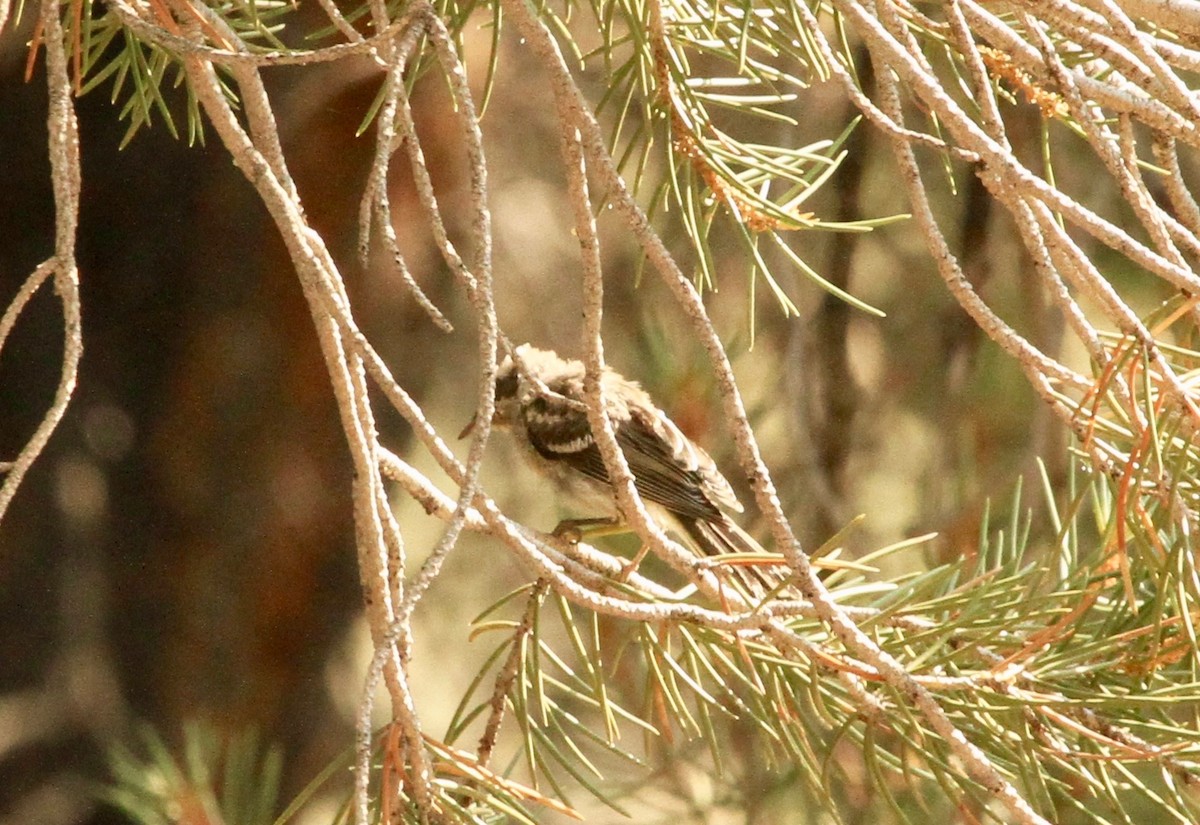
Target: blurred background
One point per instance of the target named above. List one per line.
(183, 548)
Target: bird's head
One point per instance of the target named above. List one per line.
(513, 384)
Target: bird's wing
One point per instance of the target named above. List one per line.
(677, 449)
(667, 467)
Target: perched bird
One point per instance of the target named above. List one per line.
(678, 481)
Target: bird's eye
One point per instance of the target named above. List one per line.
(506, 386)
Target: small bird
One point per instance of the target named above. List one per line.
(677, 480)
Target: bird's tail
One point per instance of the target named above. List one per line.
(719, 538)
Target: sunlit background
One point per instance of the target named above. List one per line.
(183, 549)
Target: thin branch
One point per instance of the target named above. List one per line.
(323, 288)
(65, 178)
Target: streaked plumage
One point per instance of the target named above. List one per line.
(678, 480)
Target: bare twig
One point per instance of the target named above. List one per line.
(65, 178)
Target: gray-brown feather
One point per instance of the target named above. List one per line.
(668, 468)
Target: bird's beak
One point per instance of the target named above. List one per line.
(467, 430)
